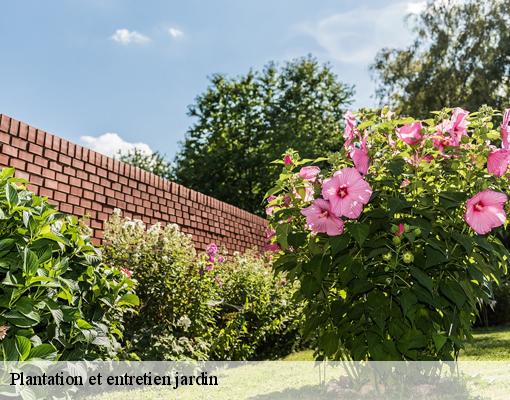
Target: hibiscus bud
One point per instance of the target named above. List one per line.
(287, 160)
(387, 256)
(396, 240)
(417, 232)
(408, 257)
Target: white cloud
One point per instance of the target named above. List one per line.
(111, 143)
(175, 33)
(416, 8)
(125, 36)
(355, 36)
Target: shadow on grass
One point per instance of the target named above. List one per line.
(311, 392)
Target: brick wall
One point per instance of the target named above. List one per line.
(82, 182)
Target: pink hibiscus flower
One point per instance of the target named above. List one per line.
(505, 129)
(359, 157)
(350, 129)
(410, 133)
(484, 211)
(347, 192)
(321, 219)
(458, 125)
(127, 272)
(309, 173)
(497, 162)
(272, 248)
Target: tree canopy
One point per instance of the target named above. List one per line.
(460, 56)
(244, 123)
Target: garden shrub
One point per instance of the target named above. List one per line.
(199, 306)
(395, 239)
(258, 316)
(58, 301)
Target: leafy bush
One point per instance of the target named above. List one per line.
(497, 311)
(57, 300)
(199, 306)
(396, 241)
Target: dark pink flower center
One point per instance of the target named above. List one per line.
(479, 206)
(342, 191)
(324, 214)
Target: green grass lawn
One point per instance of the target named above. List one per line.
(294, 380)
(490, 344)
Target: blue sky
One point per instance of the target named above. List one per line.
(110, 74)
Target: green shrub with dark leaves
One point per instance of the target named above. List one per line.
(58, 301)
(201, 306)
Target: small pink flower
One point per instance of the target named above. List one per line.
(458, 125)
(309, 192)
(211, 259)
(212, 249)
(209, 267)
(410, 133)
(497, 162)
(221, 259)
(309, 173)
(505, 129)
(287, 160)
(287, 200)
(269, 233)
(350, 129)
(401, 229)
(405, 183)
(321, 219)
(484, 211)
(272, 247)
(127, 272)
(347, 192)
(360, 158)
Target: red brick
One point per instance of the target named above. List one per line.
(73, 200)
(69, 171)
(5, 137)
(14, 127)
(53, 155)
(51, 184)
(18, 164)
(86, 203)
(56, 166)
(79, 211)
(78, 164)
(5, 121)
(32, 133)
(75, 181)
(36, 180)
(45, 192)
(66, 208)
(87, 185)
(77, 191)
(26, 156)
(9, 150)
(87, 194)
(62, 178)
(42, 162)
(4, 160)
(64, 159)
(35, 169)
(63, 187)
(21, 174)
(19, 143)
(33, 148)
(59, 196)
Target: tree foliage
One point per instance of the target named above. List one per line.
(154, 162)
(244, 123)
(460, 55)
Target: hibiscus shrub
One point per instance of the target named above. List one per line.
(394, 240)
(205, 306)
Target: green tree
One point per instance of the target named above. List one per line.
(460, 56)
(244, 123)
(154, 162)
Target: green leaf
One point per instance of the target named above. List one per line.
(453, 291)
(338, 244)
(433, 257)
(439, 341)
(23, 346)
(130, 299)
(6, 244)
(282, 231)
(407, 301)
(44, 351)
(422, 278)
(359, 232)
(20, 320)
(83, 324)
(452, 199)
(464, 240)
(30, 262)
(11, 193)
(396, 204)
